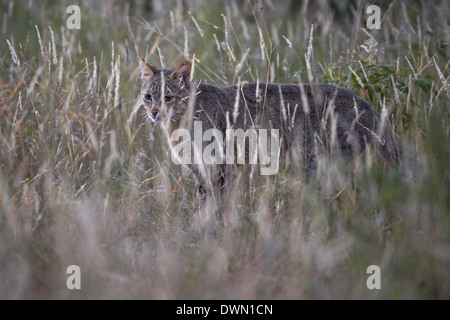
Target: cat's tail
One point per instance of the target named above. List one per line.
(395, 156)
(389, 149)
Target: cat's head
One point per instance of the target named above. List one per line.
(165, 92)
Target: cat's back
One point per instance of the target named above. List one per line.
(253, 90)
(211, 94)
(286, 99)
(317, 95)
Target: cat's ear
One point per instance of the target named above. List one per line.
(183, 73)
(147, 70)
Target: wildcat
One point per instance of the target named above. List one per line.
(308, 116)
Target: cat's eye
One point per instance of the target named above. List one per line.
(168, 98)
(148, 97)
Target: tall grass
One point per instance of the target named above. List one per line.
(85, 180)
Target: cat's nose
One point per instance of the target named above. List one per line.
(154, 112)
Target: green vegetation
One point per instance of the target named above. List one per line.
(85, 180)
